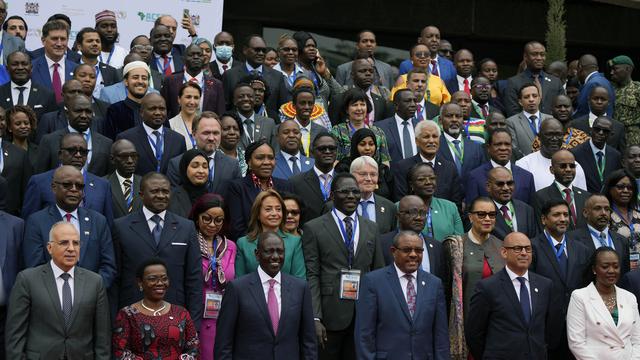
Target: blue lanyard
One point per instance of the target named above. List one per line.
(110, 55)
(158, 152)
(351, 128)
(597, 236)
(344, 235)
(325, 193)
(429, 224)
(560, 251)
(193, 141)
(212, 262)
(632, 238)
(569, 137)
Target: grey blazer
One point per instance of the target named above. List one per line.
(521, 135)
(384, 77)
(262, 127)
(35, 323)
(117, 197)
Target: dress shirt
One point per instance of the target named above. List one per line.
(475, 103)
(596, 240)
(437, 60)
(594, 150)
(371, 115)
(160, 62)
(412, 133)
(60, 282)
(229, 64)
(426, 161)
(61, 68)
(151, 135)
(356, 229)
(305, 133)
(516, 283)
(371, 207)
(319, 172)
(450, 139)
(404, 281)
(86, 135)
(539, 165)
(514, 221)
(277, 287)
(556, 242)
(461, 79)
(199, 79)
(426, 263)
(593, 117)
(121, 181)
(115, 59)
(253, 126)
(251, 68)
(537, 115)
(288, 156)
(561, 189)
(290, 79)
(74, 218)
(148, 214)
(495, 165)
(423, 112)
(15, 92)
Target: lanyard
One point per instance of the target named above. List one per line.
(306, 140)
(513, 215)
(560, 251)
(458, 154)
(325, 192)
(601, 169)
(569, 137)
(110, 55)
(193, 141)
(352, 129)
(632, 238)
(213, 261)
(597, 236)
(429, 224)
(344, 235)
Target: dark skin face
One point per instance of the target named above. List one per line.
(563, 167)
(155, 194)
(534, 56)
(289, 137)
(489, 70)
(255, 52)
(154, 283)
(496, 121)
(463, 61)
(445, 49)
(500, 185)
(622, 192)
(108, 30)
(161, 40)
(304, 106)
(270, 254)
(573, 93)
(600, 131)
(346, 195)
(80, 113)
(153, 111)
(309, 52)
(67, 187)
(71, 89)
(607, 269)
(407, 263)
(230, 133)
(405, 104)
(193, 59)
(362, 73)
(424, 182)
(597, 211)
(562, 109)
(599, 100)
(73, 151)
(451, 119)
(551, 133)
(409, 214)
(367, 42)
(632, 160)
(91, 45)
(499, 148)
(124, 158)
(19, 67)
(430, 36)
(428, 142)
(244, 100)
(86, 76)
(621, 74)
(481, 90)
(140, 47)
(463, 100)
(324, 153)
(557, 220)
(262, 162)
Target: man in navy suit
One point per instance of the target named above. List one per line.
(599, 100)
(401, 312)
(590, 78)
(290, 160)
(440, 66)
(73, 151)
(455, 146)
(509, 311)
(155, 143)
(97, 252)
(500, 151)
(266, 314)
(156, 232)
(400, 128)
(166, 58)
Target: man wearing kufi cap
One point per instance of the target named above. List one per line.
(627, 107)
(107, 27)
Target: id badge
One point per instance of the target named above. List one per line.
(634, 260)
(349, 284)
(212, 301)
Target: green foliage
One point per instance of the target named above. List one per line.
(556, 32)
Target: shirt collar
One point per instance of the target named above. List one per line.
(595, 149)
(51, 62)
(288, 156)
(73, 213)
(513, 275)
(148, 213)
(150, 131)
(158, 56)
(252, 117)
(370, 198)
(461, 79)
(562, 187)
(264, 277)
(72, 130)
(121, 179)
(399, 120)
(198, 77)
(536, 114)
(401, 274)
(318, 172)
(495, 164)
(341, 215)
(451, 138)
(250, 68)
(499, 205)
(57, 271)
(424, 159)
(555, 242)
(27, 85)
(589, 76)
(605, 231)
(308, 127)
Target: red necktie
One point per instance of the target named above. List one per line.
(224, 68)
(272, 306)
(167, 65)
(67, 216)
(434, 68)
(419, 112)
(485, 112)
(466, 86)
(567, 198)
(57, 82)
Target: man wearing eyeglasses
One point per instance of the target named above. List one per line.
(507, 318)
(125, 185)
(480, 98)
(97, 248)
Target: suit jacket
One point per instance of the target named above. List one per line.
(117, 197)
(620, 243)
(248, 330)
(273, 79)
(584, 156)
(283, 171)
(121, 117)
(10, 242)
(50, 146)
(394, 144)
(17, 171)
(40, 71)
(617, 137)
(97, 252)
(41, 99)
(386, 211)
(97, 195)
(386, 329)
(592, 332)
(551, 192)
(213, 94)
(307, 186)
(382, 108)
(495, 327)
(473, 155)
(525, 221)
(433, 249)
(551, 87)
(631, 282)
(383, 77)
(35, 322)
(325, 256)
(449, 185)
(117, 92)
(244, 192)
(177, 51)
(56, 120)
(262, 127)
(109, 74)
(71, 55)
(521, 135)
(10, 44)
(225, 170)
(597, 79)
(544, 263)
(173, 145)
(178, 247)
(216, 72)
(476, 183)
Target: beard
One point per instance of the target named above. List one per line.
(106, 41)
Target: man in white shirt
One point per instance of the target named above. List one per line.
(107, 26)
(463, 61)
(125, 185)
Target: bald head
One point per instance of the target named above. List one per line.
(586, 65)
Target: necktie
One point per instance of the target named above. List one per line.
(419, 116)
(272, 305)
(56, 82)
(67, 217)
(485, 110)
(224, 68)
(458, 159)
(295, 169)
(524, 300)
(128, 196)
(66, 299)
(158, 148)
(166, 66)
(563, 262)
(349, 240)
(434, 68)
(600, 156)
(157, 230)
(406, 140)
(365, 209)
(532, 124)
(572, 208)
(249, 125)
(536, 82)
(467, 89)
(326, 184)
(411, 294)
(430, 163)
(505, 215)
(603, 239)
(21, 95)
(212, 171)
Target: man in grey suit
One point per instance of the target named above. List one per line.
(366, 44)
(125, 185)
(524, 126)
(59, 310)
(339, 248)
(255, 126)
(372, 206)
(10, 43)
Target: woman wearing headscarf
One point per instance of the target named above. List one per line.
(194, 173)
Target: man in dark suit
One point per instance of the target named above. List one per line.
(564, 260)
(97, 253)
(155, 143)
(86, 74)
(37, 96)
(156, 232)
(400, 128)
(456, 147)
(564, 172)
(125, 185)
(254, 52)
(508, 316)
(16, 170)
(598, 159)
(549, 86)
(80, 117)
(411, 216)
(255, 126)
(372, 206)
(166, 58)
(73, 151)
(314, 185)
(223, 44)
(411, 323)
(417, 81)
(499, 150)
(90, 47)
(290, 160)
(590, 78)
(463, 62)
(212, 97)
(59, 310)
(266, 314)
(597, 212)
(513, 214)
(481, 100)
(599, 100)
(428, 137)
(337, 253)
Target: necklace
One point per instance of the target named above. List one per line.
(153, 311)
(610, 301)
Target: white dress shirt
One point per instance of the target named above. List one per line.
(426, 161)
(15, 93)
(556, 242)
(516, 283)
(249, 134)
(229, 64)
(514, 221)
(288, 156)
(412, 134)
(495, 165)
(121, 180)
(152, 136)
(87, 136)
(160, 62)
(593, 117)
(356, 229)
(460, 80)
(61, 68)
(74, 218)
(60, 282)
(450, 139)
(277, 287)
(148, 214)
(117, 58)
(537, 122)
(539, 165)
(404, 281)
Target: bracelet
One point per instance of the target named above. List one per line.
(194, 35)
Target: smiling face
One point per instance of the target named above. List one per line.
(534, 56)
(288, 52)
(198, 171)
(346, 195)
(270, 254)
(210, 222)
(424, 182)
(483, 217)
(557, 220)
(19, 126)
(367, 178)
(19, 67)
(421, 56)
(244, 100)
(262, 162)
(55, 44)
(271, 213)
(357, 111)
(255, 52)
(155, 194)
(154, 282)
(500, 185)
(293, 216)
(189, 101)
(607, 268)
(517, 261)
(622, 192)
(91, 45)
(137, 83)
(161, 40)
(407, 253)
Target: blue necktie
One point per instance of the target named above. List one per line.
(532, 125)
(212, 171)
(158, 148)
(457, 160)
(157, 230)
(563, 262)
(365, 211)
(524, 300)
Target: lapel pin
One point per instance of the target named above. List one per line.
(435, 211)
(170, 317)
(86, 219)
(86, 233)
(382, 209)
(423, 283)
(174, 227)
(6, 153)
(471, 253)
(8, 99)
(535, 289)
(34, 89)
(439, 163)
(431, 245)
(91, 184)
(307, 162)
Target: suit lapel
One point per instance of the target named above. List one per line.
(146, 147)
(85, 231)
(49, 283)
(168, 230)
(218, 169)
(333, 232)
(281, 163)
(139, 226)
(3, 243)
(258, 296)
(381, 217)
(363, 237)
(393, 129)
(285, 298)
(535, 301)
(314, 183)
(394, 282)
(510, 292)
(79, 292)
(444, 149)
(116, 190)
(551, 256)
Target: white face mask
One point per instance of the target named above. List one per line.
(224, 52)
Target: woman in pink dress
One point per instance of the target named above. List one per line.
(218, 263)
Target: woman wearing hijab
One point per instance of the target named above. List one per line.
(194, 171)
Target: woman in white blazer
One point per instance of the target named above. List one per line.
(602, 320)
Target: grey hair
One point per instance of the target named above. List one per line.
(361, 161)
(427, 123)
(403, 233)
(57, 225)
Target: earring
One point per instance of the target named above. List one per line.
(140, 288)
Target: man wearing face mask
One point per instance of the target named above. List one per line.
(223, 45)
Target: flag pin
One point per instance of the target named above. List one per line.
(535, 289)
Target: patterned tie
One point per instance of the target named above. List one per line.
(505, 215)
(249, 125)
(349, 240)
(419, 116)
(406, 140)
(434, 68)
(467, 89)
(128, 196)
(572, 208)
(524, 300)
(326, 184)
(603, 239)
(56, 82)
(68, 217)
(294, 165)
(485, 111)
(411, 294)
(66, 299)
(212, 171)
(532, 124)
(157, 230)
(272, 305)
(158, 148)
(458, 160)
(166, 67)
(21, 95)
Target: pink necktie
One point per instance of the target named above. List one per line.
(57, 83)
(68, 217)
(272, 305)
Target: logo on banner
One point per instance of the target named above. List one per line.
(31, 8)
(148, 17)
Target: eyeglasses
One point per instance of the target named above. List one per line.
(157, 279)
(327, 148)
(68, 185)
(484, 214)
(76, 150)
(293, 212)
(503, 183)
(288, 49)
(482, 86)
(624, 187)
(600, 130)
(260, 50)
(142, 48)
(66, 243)
(345, 192)
(206, 219)
(409, 250)
(518, 249)
(414, 212)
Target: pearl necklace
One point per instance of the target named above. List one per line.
(153, 311)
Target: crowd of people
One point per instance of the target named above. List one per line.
(215, 200)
